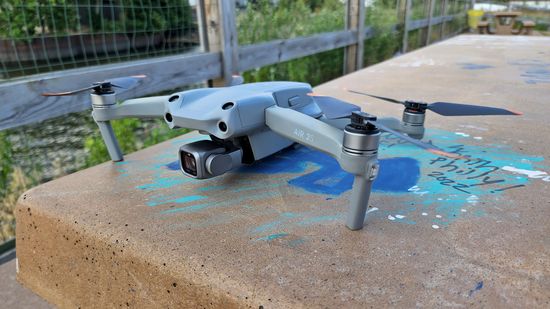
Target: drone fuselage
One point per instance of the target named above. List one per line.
(236, 115)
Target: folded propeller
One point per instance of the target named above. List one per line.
(127, 82)
(337, 109)
(446, 108)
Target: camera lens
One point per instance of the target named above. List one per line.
(189, 163)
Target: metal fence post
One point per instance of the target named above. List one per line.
(430, 16)
(201, 23)
(407, 17)
(355, 20)
(443, 13)
(222, 36)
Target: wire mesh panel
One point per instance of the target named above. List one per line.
(48, 35)
(382, 16)
(264, 20)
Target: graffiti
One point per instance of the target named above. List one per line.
(328, 178)
(474, 66)
(426, 189)
(533, 71)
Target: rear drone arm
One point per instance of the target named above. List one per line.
(355, 150)
(106, 109)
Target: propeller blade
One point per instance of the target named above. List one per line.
(127, 82)
(431, 148)
(236, 80)
(456, 109)
(334, 108)
(377, 97)
(58, 94)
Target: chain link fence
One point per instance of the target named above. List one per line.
(40, 36)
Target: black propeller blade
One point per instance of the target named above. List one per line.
(126, 83)
(334, 108)
(377, 97)
(446, 108)
(57, 94)
(457, 109)
(429, 147)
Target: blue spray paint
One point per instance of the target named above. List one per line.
(396, 174)
(478, 287)
(533, 71)
(474, 66)
(309, 171)
(173, 166)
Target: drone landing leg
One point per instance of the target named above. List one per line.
(110, 140)
(357, 209)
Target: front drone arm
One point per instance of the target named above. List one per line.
(134, 108)
(355, 150)
(304, 129)
(106, 109)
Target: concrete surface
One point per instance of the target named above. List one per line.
(439, 232)
(12, 294)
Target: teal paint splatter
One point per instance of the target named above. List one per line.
(273, 236)
(180, 200)
(165, 183)
(441, 198)
(318, 219)
(220, 203)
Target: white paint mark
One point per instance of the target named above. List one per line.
(435, 226)
(399, 216)
(462, 134)
(463, 210)
(416, 190)
(472, 199)
(439, 199)
(16, 265)
(416, 63)
(531, 174)
(372, 209)
(424, 213)
(438, 216)
(469, 126)
(390, 217)
(478, 137)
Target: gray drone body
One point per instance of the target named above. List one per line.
(236, 116)
(249, 122)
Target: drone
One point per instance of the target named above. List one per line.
(247, 122)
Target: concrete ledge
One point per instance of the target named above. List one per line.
(139, 234)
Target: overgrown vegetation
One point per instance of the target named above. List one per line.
(385, 43)
(262, 21)
(24, 19)
(125, 129)
(21, 19)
